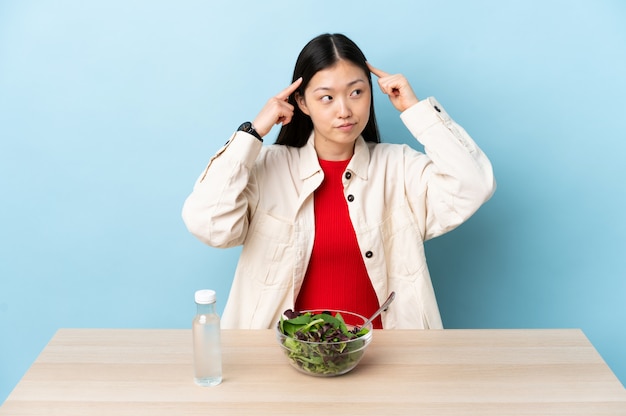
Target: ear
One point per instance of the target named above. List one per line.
(301, 103)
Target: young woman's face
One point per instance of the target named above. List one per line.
(338, 101)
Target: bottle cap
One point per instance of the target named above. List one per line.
(205, 296)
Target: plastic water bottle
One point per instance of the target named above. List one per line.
(207, 353)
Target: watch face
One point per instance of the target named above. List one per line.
(247, 126)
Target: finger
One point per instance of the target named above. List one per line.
(376, 71)
(285, 118)
(284, 94)
(284, 112)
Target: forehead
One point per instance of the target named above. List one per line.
(340, 75)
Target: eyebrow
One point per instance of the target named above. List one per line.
(349, 84)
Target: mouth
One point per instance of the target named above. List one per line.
(346, 126)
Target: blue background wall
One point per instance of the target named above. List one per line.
(110, 109)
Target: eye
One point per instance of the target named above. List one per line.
(356, 93)
(326, 99)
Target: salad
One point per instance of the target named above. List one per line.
(321, 343)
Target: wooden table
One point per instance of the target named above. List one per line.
(404, 372)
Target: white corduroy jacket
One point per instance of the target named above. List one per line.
(262, 197)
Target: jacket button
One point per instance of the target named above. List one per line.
(348, 175)
(350, 198)
(369, 254)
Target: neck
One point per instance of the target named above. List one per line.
(334, 151)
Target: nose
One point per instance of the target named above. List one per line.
(343, 110)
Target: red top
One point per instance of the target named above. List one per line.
(336, 277)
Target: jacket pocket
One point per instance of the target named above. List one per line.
(267, 252)
(404, 248)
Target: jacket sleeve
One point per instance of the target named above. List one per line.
(217, 210)
(457, 177)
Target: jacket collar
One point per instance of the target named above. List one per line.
(360, 161)
(309, 163)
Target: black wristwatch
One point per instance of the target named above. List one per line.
(249, 128)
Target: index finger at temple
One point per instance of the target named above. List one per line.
(284, 94)
(376, 71)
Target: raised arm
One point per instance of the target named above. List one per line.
(457, 177)
(225, 195)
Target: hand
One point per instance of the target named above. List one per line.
(396, 87)
(276, 111)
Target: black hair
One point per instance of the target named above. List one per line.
(320, 53)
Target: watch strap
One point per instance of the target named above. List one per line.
(249, 128)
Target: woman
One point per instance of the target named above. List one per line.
(329, 217)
